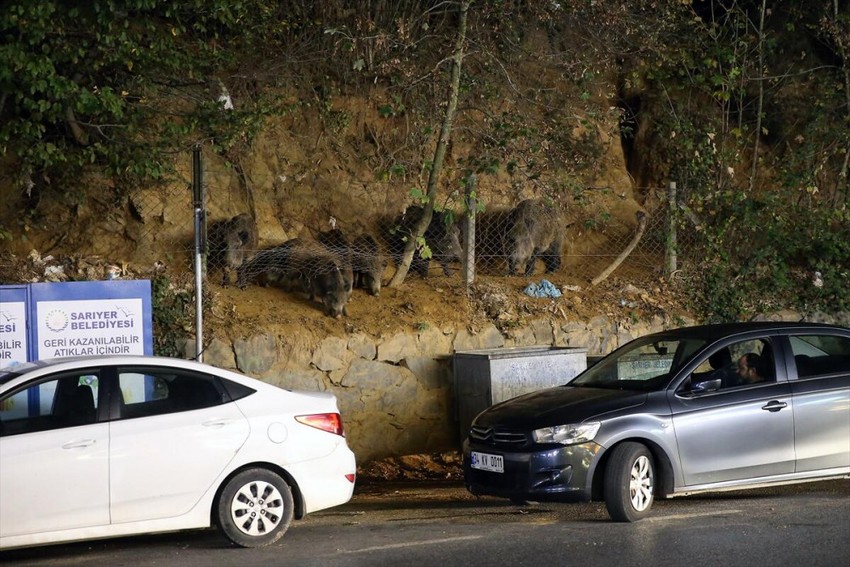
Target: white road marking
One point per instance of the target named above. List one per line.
(413, 543)
(688, 516)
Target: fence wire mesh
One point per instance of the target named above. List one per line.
(532, 238)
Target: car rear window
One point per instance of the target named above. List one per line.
(155, 390)
(820, 355)
(235, 390)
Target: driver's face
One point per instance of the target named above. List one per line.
(747, 372)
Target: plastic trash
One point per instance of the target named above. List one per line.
(544, 289)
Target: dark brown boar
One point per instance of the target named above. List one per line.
(442, 237)
(231, 242)
(336, 243)
(535, 232)
(301, 265)
(367, 264)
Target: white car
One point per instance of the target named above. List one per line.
(121, 445)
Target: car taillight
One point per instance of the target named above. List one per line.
(330, 422)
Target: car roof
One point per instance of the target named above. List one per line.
(720, 330)
(100, 359)
(9, 373)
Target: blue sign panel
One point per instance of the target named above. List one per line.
(56, 320)
(14, 338)
(91, 318)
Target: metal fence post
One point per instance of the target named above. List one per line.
(671, 229)
(469, 233)
(200, 249)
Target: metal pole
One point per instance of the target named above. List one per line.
(469, 233)
(671, 229)
(200, 245)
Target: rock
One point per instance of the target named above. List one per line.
(362, 346)
(331, 354)
(397, 347)
(255, 355)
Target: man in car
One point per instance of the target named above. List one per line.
(749, 367)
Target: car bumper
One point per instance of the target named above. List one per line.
(322, 482)
(539, 474)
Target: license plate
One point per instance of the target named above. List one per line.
(487, 462)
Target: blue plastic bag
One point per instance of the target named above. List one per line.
(544, 289)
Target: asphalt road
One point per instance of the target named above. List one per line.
(416, 524)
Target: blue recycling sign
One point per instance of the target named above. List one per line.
(64, 319)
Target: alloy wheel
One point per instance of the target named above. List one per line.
(640, 484)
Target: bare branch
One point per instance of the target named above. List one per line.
(641, 216)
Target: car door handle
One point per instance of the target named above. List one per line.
(81, 444)
(217, 423)
(774, 406)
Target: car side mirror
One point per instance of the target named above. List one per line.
(705, 386)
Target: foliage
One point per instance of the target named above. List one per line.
(116, 85)
(173, 312)
(767, 256)
(769, 220)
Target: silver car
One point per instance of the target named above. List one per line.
(698, 409)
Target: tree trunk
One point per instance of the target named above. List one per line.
(760, 107)
(77, 131)
(439, 153)
(841, 195)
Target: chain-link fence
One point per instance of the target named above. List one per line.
(532, 238)
(568, 241)
(569, 245)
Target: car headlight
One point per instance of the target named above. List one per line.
(570, 434)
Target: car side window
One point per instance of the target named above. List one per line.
(754, 362)
(820, 355)
(713, 373)
(147, 392)
(66, 401)
(738, 365)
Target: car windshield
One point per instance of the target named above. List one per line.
(645, 364)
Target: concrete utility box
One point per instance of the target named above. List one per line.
(489, 376)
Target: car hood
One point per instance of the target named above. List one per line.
(555, 406)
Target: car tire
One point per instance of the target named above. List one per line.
(255, 508)
(629, 483)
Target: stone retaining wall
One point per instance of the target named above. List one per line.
(395, 392)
